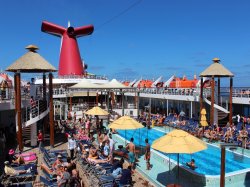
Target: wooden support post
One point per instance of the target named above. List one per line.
(135, 99)
(218, 86)
(138, 102)
(201, 96)
(101, 99)
(149, 110)
(18, 110)
(70, 103)
(96, 98)
(44, 86)
(212, 102)
(88, 98)
(222, 167)
(122, 103)
(108, 105)
(231, 102)
(51, 113)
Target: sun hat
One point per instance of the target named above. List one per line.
(59, 156)
(11, 151)
(6, 162)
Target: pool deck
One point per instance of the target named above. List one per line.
(164, 172)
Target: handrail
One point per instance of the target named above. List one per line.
(216, 106)
(35, 109)
(99, 77)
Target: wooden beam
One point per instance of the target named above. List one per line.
(18, 110)
(219, 91)
(212, 102)
(222, 167)
(96, 98)
(70, 103)
(44, 86)
(231, 102)
(201, 96)
(51, 112)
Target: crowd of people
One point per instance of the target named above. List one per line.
(100, 149)
(63, 171)
(237, 132)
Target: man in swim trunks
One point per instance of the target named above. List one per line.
(147, 154)
(131, 155)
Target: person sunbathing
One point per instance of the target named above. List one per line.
(99, 161)
(12, 158)
(207, 134)
(212, 136)
(57, 162)
(57, 172)
(64, 178)
(13, 172)
(93, 153)
(243, 135)
(100, 138)
(228, 135)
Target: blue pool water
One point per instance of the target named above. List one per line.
(207, 161)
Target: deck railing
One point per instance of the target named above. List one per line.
(34, 110)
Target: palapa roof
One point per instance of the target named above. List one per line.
(114, 84)
(31, 62)
(85, 83)
(217, 70)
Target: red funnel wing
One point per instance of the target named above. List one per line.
(52, 28)
(83, 31)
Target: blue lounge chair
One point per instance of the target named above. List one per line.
(47, 182)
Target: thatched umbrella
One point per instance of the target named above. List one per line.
(31, 62)
(216, 70)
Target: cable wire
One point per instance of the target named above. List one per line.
(120, 14)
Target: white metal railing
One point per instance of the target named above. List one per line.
(9, 94)
(242, 92)
(98, 77)
(35, 109)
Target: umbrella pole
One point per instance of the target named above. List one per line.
(140, 140)
(147, 133)
(178, 171)
(125, 138)
(169, 162)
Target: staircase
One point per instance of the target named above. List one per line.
(216, 106)
(26, 134)
(34, 113)
(222, 115)
(222, 112)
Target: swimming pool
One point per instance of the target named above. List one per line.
(207, 161)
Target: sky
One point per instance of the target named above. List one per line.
(135, 38)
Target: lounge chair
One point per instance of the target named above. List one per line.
(47, 182)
